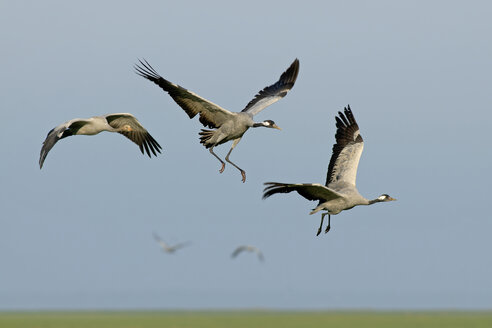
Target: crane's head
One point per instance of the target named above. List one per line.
(270, 124)
(385, 198)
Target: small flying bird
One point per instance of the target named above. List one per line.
(228, 125)
(340, 192)
(247, 248)
(123, 123)
(168, 248)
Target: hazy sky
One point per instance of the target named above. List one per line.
(78, 233)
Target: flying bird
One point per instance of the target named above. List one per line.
(228, 125)
(168, 248)
(340, 192)
(123, 123)
(247, 248)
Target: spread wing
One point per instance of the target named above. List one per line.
(138, 133)
(310, 191)
(181, 245)
(247, 248)
(161, 242)
(238, 250)
(61, 131)
(166, 247)
(347, 150)
(260, 254)
(274, 92)
(211, 115)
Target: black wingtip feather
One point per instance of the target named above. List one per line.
(151, 148)
(146, 71)
(274, 188)
(154, 144)
(285, 82)
(290, 75)
(146, 148)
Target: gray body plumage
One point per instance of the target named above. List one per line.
(230, 130)
(340, 192)
(229, 126)
(347, 198)
(123, 123)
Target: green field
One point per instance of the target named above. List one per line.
(244, 319)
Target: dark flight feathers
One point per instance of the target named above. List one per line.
(346, 133)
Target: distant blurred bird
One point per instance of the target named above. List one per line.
(340, 192)
(247, 248)
(168, 248)
(228, 125)
(123, 123)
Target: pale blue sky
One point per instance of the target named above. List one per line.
(78, 233)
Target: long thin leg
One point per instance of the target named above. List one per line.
(328, 227)
(321, 224)
(211, 150)
(236, 141)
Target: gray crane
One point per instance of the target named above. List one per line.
(248, 248)
(340, 192)
(228, 125)
(123, 123)
(169, 248)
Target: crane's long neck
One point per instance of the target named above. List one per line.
(382, 198)
(373, 201)
(266, 124)
(258, 124)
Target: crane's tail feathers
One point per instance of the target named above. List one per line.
(316, 210)
(275, 188)
(205, 136)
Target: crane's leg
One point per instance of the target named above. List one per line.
(321, 224)
(236, 141)
(328, 227)
(211, 150)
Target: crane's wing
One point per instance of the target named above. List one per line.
(181, 245)
(138, 133)
(161, 242)
(238, 250)
(310, 191)
(63, 130)
(211, 115)
(274, 92)
(260, 255)
(346, 152)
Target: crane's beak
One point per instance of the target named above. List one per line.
(391, 198)
(275, 126)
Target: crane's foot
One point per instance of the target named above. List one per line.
(319, 231)
(327, 229)
(222, 168)
(244, 176)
